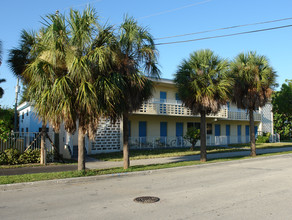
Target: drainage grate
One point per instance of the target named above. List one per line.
(146, 199)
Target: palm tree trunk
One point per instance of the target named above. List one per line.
(126, 141)
(203, 155)
(43, 149)
(81, 155)
(252, 134)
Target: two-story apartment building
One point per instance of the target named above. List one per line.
(163, 121)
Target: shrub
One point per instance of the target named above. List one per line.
(265, 138)
(12, 156)
(3, 158)
(30, 156)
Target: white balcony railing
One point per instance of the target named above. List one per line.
(175, 108)
(169, 142)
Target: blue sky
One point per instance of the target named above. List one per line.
(167, 18)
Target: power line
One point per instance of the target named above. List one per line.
(175, 9)
(225, 28)
(226, 35)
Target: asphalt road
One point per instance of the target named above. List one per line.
(249, 189)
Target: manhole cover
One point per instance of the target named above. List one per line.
(146, 199)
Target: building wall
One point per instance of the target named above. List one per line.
(267, 118)
(153, 125)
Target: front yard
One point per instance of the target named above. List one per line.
(175, 152)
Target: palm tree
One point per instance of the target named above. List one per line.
(71, 77)
(137, 59)
(1, 80)
(2, 90)
(203, 86)
(18, 60)
(254, 79)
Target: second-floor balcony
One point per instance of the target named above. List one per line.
(170, 107)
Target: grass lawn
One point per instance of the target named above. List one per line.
(160, 153)
(263, 145)
(71, 174)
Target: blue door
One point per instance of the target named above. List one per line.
(239, 133)
(228, 133)
(163, 132)
(256, 131)
(247, 133)
(178, 106)
(142, 131)
(217, 130)
(179, 133)
(162, 100)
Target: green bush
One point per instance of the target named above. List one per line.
(265, 138)
(30, 156)
(3, 158)
(12, 155)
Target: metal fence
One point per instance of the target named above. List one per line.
(170, 142)
(25, 140)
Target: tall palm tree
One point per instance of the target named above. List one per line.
(71, 77)
(137, 58)
(203, 86)
(254, 80)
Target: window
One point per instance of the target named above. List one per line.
(193, 125)
(26, 130)
(22, 115)
(27, 113)
(40, 129)
(22, 129)
(129, 129)
(209, 129)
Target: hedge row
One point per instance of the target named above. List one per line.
(13, 156)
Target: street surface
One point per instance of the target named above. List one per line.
(258, 188)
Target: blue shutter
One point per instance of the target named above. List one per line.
(256, 130)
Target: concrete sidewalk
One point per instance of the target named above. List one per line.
(92, 163)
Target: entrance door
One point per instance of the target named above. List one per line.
(228, 133)
(247, 133)
(162, 100)
(163, 132)
(239, 133)
(179, 133)
(142, 131)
